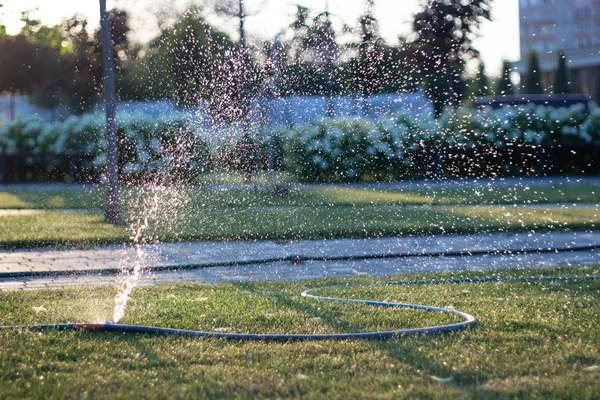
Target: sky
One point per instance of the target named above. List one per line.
(499, 39)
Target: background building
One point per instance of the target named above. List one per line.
(573, 26)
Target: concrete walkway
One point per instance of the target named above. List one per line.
(51, 268)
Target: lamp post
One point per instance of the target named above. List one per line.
(113, 212)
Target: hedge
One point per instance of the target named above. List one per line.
(348, 149)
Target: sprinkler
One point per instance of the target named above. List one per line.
(89, 327)
(468, 320)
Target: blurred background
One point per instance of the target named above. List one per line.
(252, 82)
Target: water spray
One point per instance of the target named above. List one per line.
(468, 320)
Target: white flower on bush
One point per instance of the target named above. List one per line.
(338, 147)
(130, 168)
(532, 137)
(100, 160)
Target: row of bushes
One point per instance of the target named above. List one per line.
(330, 150)
(174, 148)
(354, 149)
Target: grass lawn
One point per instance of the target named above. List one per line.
(535, 340)
(168, 224)
(93, 198)
(59, 230)
(198, 215)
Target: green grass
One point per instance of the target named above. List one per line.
(93, 198)
(66, 198)
(198, 215)
(537, 340)
(169, 224)
(60, 230)
(361, 222)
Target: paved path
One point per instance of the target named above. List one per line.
(100, 266)
(317, 270)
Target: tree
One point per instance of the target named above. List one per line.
(144, 78)
(35, 31)
(533, 80)
(121, 47)
(197, 64)
(369, 56)
(83, 63)
(61, 63)
(325, 55)
(445, 31)
(482, 83)
(561, 76)
(300, 33)
(83, 66)
(2, 26)
(505, 85)
(23, 65)
(314, 57)
(50, 56)
(321, 42)
(49, 92)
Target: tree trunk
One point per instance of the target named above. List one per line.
(113, 211)
(12, 106)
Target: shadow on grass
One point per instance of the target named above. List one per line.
(403, 349)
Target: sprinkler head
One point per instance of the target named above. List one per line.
(88, 327)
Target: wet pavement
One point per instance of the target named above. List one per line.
(317, 269)
(56, 269)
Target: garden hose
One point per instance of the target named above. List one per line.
(468, 320)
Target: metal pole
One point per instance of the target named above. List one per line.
(245, 96)
(242, 31)
(113, 212)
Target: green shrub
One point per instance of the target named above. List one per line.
(330, 150)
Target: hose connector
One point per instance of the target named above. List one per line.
(89, 327)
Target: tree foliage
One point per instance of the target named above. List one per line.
(2, 26)
(533, 80)
(201, 62)
(313, 64)
(194, 64)
(445, 31)
(561, 76)
(318, 65)
(482, 81)
(505, 86)
(26, 66)
(83, 65)
(60, 64)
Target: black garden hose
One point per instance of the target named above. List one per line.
(468, 321)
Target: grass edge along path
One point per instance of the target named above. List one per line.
(93, 197)
(60, 230)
